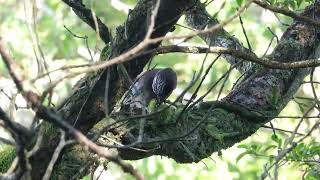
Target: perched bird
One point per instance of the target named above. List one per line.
(155, 84)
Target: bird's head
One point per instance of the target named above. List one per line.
(164, 82)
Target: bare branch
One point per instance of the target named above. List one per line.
(199, 19)
(18, 134)
(87, 16)
(50, 116)
(287, 13)
(55, 156)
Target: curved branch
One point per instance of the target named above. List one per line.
(198, 135)
(199, 19)
(86, 15)
(89, 92)
(266, 62)
(287, 12)
(221, 126)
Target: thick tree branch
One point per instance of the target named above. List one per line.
(42, 112)
(86, 15)
(195, 136)
(222, 127)
(89, 92)
(199, 19)
(266, 62)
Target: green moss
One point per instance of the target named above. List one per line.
(49, 130)
(170, 115)
(152, 107)
(101, 125)
(71, 162)
(8, 153)
(214, 132)
(105, 53)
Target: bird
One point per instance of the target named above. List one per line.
(152, 84)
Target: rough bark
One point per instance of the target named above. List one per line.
(200, 19)
(227, 124)
(223, 125)
(90, 90)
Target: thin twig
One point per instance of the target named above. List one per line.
(135, 51)
(245, 34)
(287, 13)
(55, 156)
(269, 63)
(50, 116)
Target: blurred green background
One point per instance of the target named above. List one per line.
(34, 31)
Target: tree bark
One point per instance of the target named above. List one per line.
(228, 122)
(206, 128)
(90, 91)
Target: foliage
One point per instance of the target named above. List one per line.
(290, 4)
(61, 48)
(307, 156)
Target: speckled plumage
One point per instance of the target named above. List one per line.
(153, 84)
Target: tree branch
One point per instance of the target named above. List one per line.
(199, 19)
(93, 103)
(223, 126)
(86, 15)
(250, 57)
(202, 130)
(287, 12)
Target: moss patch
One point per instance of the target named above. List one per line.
(7, 155)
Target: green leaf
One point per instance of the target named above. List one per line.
(277, 140)
(272, 2)
(85, 178)
(271, 159)
(241, 155)
(255, 147)
(245, 146)
(299, 2)
(292, 4)
(239, 2)
(270, 147)
(301, 107)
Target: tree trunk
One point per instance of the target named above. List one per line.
(206, 128)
